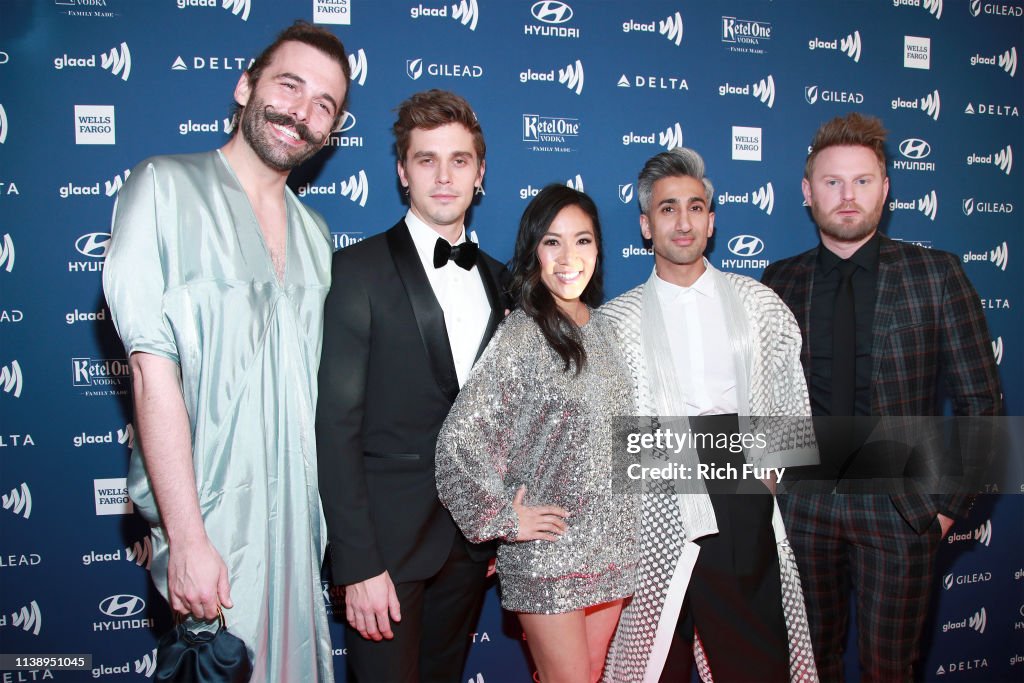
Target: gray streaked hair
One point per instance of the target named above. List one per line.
(678, 161)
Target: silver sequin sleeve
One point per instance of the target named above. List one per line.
(521, 420)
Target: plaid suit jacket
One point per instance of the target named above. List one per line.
(928, 329)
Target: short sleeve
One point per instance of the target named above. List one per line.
(135, 273)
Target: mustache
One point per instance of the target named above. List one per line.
(302, 129)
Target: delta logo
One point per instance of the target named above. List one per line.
(745, 35)
(655, 82)
(239, 8)
(466, 12)
(117, 60)
(416, 68)
(671, 27)
(669, 138)
(211, 63)
(998, 9)
(988, 109)
(930, 104)
(1007, 61)
(571, 76)
(928, 205)
(850, 45)
(813, 94)
(933, 7)
(356, 188)
(763, 90)
(763, 198)
(999, 256)
(1002, 159)
(551, 15)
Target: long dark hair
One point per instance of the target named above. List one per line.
(526, 288)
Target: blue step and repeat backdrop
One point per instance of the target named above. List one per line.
(578, 92)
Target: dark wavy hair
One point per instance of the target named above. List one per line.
(527, 290)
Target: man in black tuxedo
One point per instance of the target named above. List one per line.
(408, 313)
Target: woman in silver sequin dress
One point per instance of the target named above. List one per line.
(525, 455)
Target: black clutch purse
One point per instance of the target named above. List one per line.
(183, 656)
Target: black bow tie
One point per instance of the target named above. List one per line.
(463, 254)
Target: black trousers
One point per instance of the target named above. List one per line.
(734, 599)
(432, 640)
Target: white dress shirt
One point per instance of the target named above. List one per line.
(460, 293)
(701, 349)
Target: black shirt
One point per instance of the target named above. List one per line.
(825, 286)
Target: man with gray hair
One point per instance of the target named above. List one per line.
(718, 351)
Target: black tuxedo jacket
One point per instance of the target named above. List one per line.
(387, 381)
(928, 331)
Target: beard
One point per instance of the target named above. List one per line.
(847, 231)
(257, 117)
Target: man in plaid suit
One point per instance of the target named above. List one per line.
(884, 325)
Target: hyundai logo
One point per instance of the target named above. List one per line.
(348, 122)
(93, 245)
(915, 148)
(551, 11)
(746, 245)
(122, 605)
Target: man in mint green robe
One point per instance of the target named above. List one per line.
(216, 277)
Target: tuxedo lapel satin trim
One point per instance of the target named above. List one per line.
(494, 298)
(425, 308)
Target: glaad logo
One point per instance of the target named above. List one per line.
(671, 27)
(763, 198)
(240, 8)
(19, 501)
(928, 205)
(914, 150)
(465, 12)
(999, 256)
(746, 245)
(977, 621)
(850, 45)
(111, 187)
(3, 125)
(551, 13)
(763, 90)
(141, 552)
(1006, 61)
(745, 35)
(1003, 159)
(10, 379)
(28, 618)
(930, 104)
(118, 61)
(626, 193)
(997, 350)
(147, 665)
(812, 94)
(572, 77)
(669, 138)
(7, 253)
(976, 7)
(934, 7)
(575, 183)
(983, 535)
(358, 66)
(970, 206)
(356, 188)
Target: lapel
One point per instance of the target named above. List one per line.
(425, 308)
(494, 298)
(887, 290)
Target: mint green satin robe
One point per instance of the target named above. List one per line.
(188, 277)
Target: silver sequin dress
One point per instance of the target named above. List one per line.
(520, 419)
